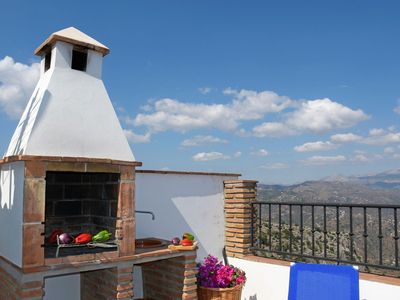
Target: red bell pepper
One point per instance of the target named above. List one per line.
(83, 238)
(52, 239)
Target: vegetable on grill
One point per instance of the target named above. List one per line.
(102, 236)
(65, 238)
(52, 239)
(83, 238)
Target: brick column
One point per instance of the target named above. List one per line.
(173, 279)
(108, 284)
(34, 214)
(238, 196)
(11, 289)
(125, 231)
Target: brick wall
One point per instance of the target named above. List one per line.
(171, 279)
(11, 289)
(238, 196)
(107, 284)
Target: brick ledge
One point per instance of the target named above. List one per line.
(14, 158)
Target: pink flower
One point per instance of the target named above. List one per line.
(212, 273)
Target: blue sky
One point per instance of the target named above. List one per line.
(281, 92)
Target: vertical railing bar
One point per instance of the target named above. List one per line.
(380, 236)
(396, 239)
(365, 235)
(280, 226)
(252, 224)
(351, 234)
(312, 231)
(290, 228)
(259, 225)
(270, 227)
(325, 232)
(337, 234)
(301, 229)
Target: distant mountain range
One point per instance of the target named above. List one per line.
(385, 180)
(381, 188)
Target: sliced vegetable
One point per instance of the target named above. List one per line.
(65, 238)
(102, 236)
(83, 238)
(52, 239)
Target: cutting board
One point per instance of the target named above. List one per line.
(183, 248)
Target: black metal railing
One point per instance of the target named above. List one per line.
(365, 235)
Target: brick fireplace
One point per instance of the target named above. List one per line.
(70, 167)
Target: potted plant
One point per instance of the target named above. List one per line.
(218, 281)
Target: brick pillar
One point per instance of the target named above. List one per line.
(238, 196)
(34, 214)
(11, 289)
(107, 284)
(125, 231)
(172, 279)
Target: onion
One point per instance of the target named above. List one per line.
(65, 238)
(175, 241)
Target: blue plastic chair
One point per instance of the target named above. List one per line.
(323, 282)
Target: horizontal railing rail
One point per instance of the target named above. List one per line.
(360, 234)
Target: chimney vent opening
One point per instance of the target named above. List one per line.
(47, 60)
(79, 60)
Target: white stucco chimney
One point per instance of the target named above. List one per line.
(69, 113)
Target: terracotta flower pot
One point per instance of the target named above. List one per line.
(233, 293)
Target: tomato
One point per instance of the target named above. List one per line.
(186, 242)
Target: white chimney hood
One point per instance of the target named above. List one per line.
(70, 113)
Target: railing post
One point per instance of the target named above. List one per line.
(239, 194)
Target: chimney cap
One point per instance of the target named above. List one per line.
(73, 36)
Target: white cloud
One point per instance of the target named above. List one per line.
(397, 109)
(261, 152)
(237, 154)
(275, 166)
(376, 131)
(272, 129)
(199, 140)
(389, 150)
(207, 156)
(345, 138)
(135, 138)
(361, 158)
(171, 114)
(383, 138)
(17, 82)
(377, 136)
(315, 146)
(204, 90)
(323, 115)
(322, 160)
(316, 116)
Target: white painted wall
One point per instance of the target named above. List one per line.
(271, 282)
(11, 211)
(181, 202)
(66, 287)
